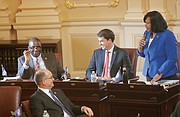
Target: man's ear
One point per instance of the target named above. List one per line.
(43, 82)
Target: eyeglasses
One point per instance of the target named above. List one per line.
(33, 47)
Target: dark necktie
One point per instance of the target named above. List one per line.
(60, 104)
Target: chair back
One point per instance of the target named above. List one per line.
(59, 59)
(10, 97)
(133, 58)
(26, 108)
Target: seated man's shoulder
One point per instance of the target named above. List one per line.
(48, 54)
(121, 50)
(21, 57)
(57, 90)
(98, 51)
(34, 96)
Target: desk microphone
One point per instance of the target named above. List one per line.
(145, 35)
(144, 38)
(65, 73)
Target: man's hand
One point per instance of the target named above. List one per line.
(87, 111)
(27, 57)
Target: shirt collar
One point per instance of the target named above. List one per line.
(44, 90)
(110, 50)
(34, 58)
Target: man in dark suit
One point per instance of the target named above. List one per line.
(42, 100)
(117, 59)
(33, 60)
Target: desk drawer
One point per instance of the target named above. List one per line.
(123, 111)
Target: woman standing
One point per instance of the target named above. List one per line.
(159, 48)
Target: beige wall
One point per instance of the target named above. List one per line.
(77, 27)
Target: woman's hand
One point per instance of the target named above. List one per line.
(156, 78)
(142, 43)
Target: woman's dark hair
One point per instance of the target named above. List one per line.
(158, 23)
(107, 34)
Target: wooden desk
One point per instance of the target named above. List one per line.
(115, 100)
(80, 93)
(140, 100)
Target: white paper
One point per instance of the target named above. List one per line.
(11, 78)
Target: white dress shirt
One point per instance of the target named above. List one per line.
(40, 60)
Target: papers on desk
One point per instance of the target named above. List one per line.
(164, 83)
(11, 78)
(77, 79)
(74, 79)
(167, 83)
(66, 80)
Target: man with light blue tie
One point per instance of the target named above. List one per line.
(109, 60)
(53, 100)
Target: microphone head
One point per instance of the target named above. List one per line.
(145, 35)
(66, 70)
(124, 69)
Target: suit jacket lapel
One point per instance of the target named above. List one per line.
(102, 54)
(46, 96)
(113, 56)
(62, 101)
(156, 38)
(45, 59)
(59, 97)
(103, 57)
(31, 63)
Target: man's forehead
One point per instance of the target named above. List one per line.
(32, 43)
(101, 38)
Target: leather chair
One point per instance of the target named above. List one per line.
(59, 59)
(133, 57)
(26, 109)
(10, 97)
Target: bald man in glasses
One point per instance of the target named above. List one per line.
(53, 101)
